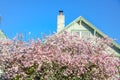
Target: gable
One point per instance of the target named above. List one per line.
(82, 26)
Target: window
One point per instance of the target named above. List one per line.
(76, 32)
(85, 34)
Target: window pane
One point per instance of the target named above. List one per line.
(76, 32)
(85, 34)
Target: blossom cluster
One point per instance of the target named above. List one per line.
(62, 56)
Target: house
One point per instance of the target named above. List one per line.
(85, 29)
(2, 35)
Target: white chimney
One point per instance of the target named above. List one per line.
(60, 21)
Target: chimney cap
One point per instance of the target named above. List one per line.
(61, 11)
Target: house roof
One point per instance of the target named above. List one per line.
(87, 22)
(2, 35)
(91, 26)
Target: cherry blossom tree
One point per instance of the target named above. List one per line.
(63, 56)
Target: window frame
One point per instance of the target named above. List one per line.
(80, 32)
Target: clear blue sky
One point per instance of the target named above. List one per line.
(39, 16)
